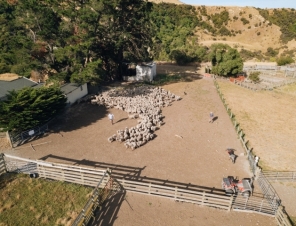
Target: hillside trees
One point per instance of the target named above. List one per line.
(30, 107)
(226, 61)
(15, 45)
(60, 38)
(174, 25)
(285, 19)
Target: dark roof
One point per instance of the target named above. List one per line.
(69, 87)
(16, 84)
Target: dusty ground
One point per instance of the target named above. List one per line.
(267, 118)
(138, 209)
(287, 192)
(197, 159)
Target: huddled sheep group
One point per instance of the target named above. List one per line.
(143, 103)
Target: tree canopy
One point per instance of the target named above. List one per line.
(30, 107)
(226, 61)
(81, 41)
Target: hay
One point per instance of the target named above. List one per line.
(8, 76)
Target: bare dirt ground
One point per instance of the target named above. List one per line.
(197, 159)
(287, 192)
(267, 118)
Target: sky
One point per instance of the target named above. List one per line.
(256, 3)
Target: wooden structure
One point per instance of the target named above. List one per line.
(282, 217)
(2, 165)
(280, 175)
(91, 176)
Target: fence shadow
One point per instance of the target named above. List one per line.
(134, 174)
(107, 215)
(118, 171)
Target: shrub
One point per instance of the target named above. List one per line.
(284, 60)
(245, 21)
(258, 33)
(254, 76)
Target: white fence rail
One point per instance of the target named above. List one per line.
(177, 194)
(280, 175)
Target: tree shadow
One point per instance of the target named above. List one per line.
(78, 116)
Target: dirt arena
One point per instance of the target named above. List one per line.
(198, 158)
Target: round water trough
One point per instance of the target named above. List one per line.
(33, 175)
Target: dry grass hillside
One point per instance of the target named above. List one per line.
(255, 35)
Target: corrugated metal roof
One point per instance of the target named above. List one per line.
(16, 84)
(69, 87)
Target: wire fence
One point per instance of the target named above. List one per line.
(25, 136)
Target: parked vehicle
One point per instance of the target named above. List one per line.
(234, 186)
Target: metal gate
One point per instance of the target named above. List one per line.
(25, 136)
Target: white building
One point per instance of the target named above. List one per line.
(144, 72)
(74, 91)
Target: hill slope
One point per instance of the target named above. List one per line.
(245, 28)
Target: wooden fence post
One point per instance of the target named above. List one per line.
(230, 203)
(9, 139)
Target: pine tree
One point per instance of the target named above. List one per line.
(30, 107)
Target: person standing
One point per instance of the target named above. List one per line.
(211, 117)
(111, 117)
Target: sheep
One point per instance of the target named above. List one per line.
(142, 102)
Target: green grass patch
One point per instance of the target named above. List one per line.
(163, 79)
(27, 201)
(293, 220)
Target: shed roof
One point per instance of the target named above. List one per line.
(16, 84)
(69, 87)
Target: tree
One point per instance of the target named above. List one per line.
(254, 76)
(226, 61)
(30, 107)
(283, 60)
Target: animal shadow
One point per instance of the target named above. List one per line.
(215, 118)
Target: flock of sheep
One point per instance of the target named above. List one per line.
(143, 103)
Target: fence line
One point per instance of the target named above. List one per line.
(182, 195)
(93, 202)
(282, 217)
(98, 197)
(2, 165)
(22, 137)
(280, 175)
(55, 171)
(268, 191)
(108, 186)
(253, 204)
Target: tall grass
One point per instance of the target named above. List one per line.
(27, 201)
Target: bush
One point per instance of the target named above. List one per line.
(254, 76)
(284, 60)
(245, 21)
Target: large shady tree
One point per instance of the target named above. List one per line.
(226, 61)
(30, 107)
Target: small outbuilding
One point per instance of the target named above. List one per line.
(145, 71)
(74, 91)
(140, 72)
(10, 82)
